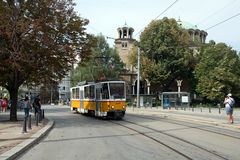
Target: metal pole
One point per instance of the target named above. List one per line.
(29, 122)
(40, 116)
(51, 97)
(43, 116)
(138, 79)
(37, 118)
(24, 124)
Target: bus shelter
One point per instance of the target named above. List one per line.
(175, 99)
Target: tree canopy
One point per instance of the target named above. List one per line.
(39, 42)
(164, 48)
(218, 71)
(104, 63)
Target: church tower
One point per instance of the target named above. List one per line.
(124, 43)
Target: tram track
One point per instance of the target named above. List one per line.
(189, 126)
(183, 142)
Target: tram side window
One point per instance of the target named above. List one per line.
(105, 93)
(89, 92)
(73, 93)
(92, 92)
(77, 93)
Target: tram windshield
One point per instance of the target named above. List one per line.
(117, 90)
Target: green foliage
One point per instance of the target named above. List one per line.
(165, 49)
(218, 71)
(39, 42)
(104, 63)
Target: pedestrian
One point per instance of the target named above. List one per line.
(26, 106)
(229, 103)
(4, 104)
(37, 105)
(0, 104)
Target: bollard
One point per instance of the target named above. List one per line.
(201, 109)
(219, 108)
(43, 116)
(209, 109)
(37, 118)
(40, 116)
(192, 109)
(24, 125)
(29, 122)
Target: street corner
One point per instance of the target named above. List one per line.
(14, 142)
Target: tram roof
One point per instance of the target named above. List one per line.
(84, 83)
(105, 81)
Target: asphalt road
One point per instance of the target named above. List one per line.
(75, 136)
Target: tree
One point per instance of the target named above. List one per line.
(218, 71)
(39, 41)
(104, 63)
(164, 48)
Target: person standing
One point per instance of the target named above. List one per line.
(229, 103)
(4, 105)
(26, 106)
(37, 104)
(0, 104)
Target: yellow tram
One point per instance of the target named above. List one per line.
(101, 99)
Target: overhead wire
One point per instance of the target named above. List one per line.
(216, 12)
(238, 14)
(159, 15)
(96, 30)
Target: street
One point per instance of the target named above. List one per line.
(141, 137)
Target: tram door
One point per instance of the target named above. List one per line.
(81, 99)
(98, 100)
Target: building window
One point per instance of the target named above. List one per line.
(124, 44)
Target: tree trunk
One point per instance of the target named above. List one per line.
(14, 100)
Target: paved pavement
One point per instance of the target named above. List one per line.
(13, 142)
(213, 116)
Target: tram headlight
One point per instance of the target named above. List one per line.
(123, 107)
(112, 107)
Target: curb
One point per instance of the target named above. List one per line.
(210, 121)
(205, 121)
(25, 145)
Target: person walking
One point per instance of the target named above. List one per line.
(26, 106)
(229, 103)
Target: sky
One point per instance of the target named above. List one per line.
(106, 16)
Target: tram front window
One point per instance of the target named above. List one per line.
(117, 90)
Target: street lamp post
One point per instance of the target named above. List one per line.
(138, 79)
(179, 83)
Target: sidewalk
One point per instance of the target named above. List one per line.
(197, 115)
(13, 141)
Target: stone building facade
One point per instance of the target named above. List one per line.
(125, 42)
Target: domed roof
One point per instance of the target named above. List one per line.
(186, 25)
(126, 26)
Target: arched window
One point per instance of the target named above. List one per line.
(124, 44)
